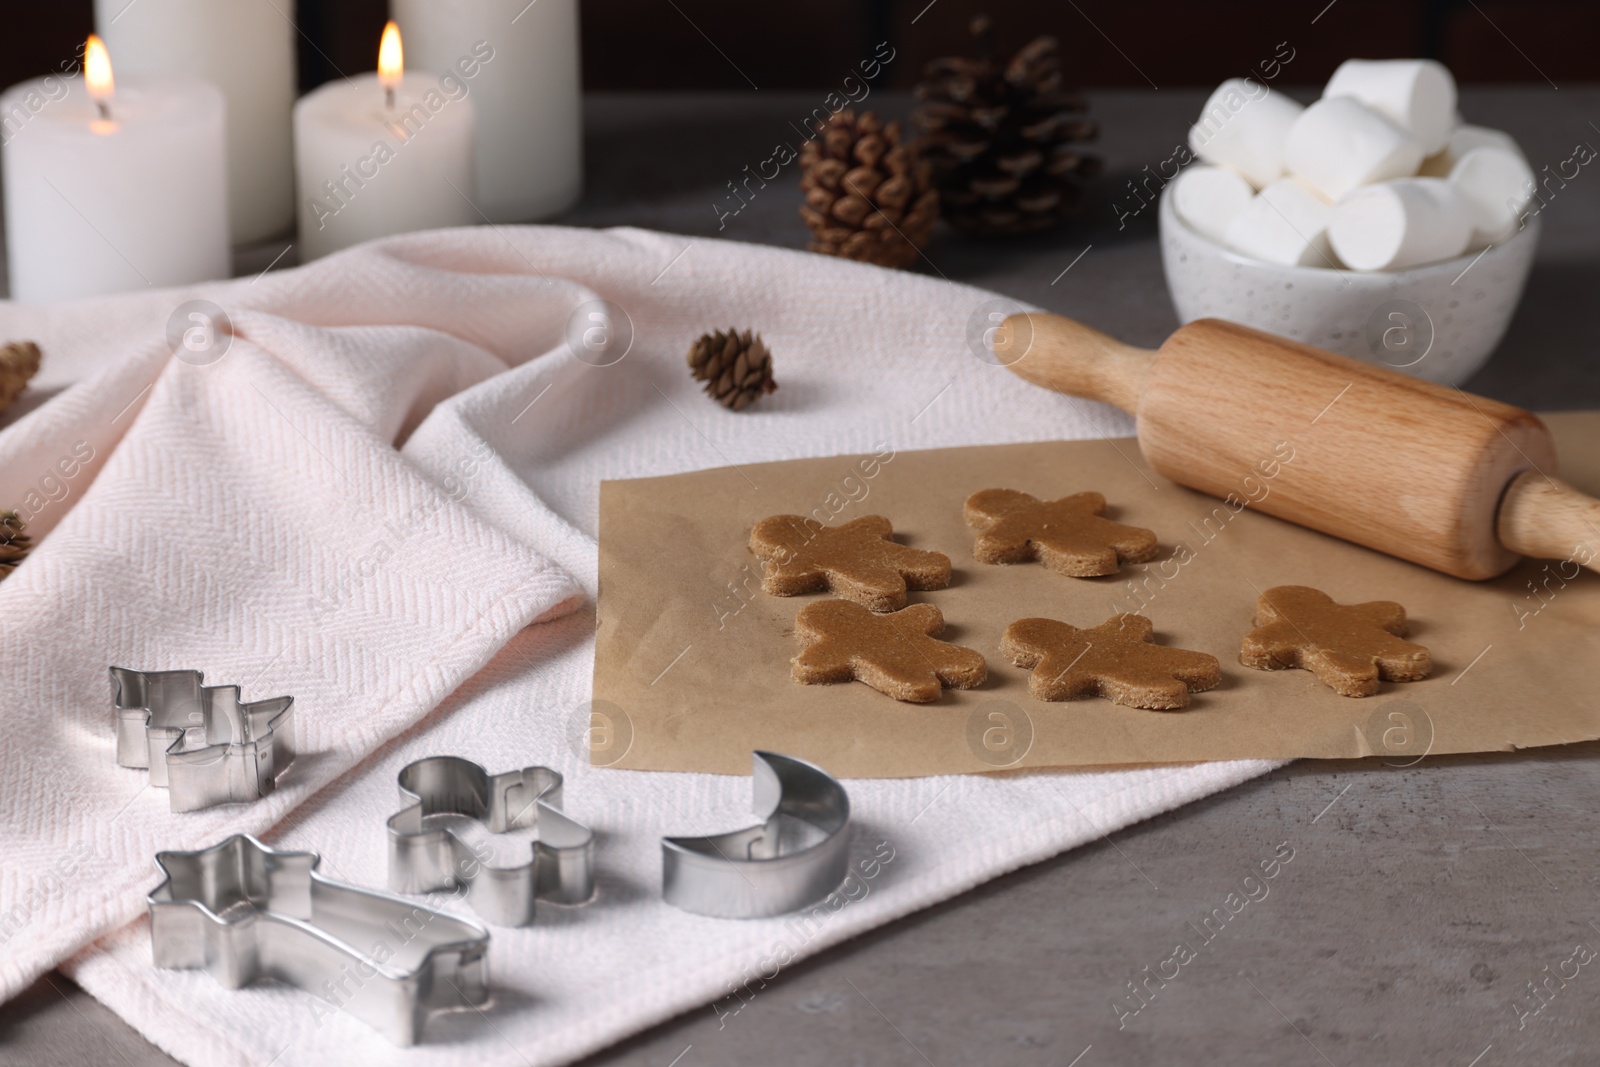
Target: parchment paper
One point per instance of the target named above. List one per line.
(692, 662)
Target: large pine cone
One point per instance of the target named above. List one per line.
(868, 195)
(1002, 141)
(736, 367)
(14, 543)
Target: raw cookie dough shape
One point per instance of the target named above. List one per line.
(1116, 659)
(1068, 535)
(1349, 647)
(895, 653)
(857, 561)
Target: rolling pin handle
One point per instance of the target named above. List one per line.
(1069, 357)
(1546, 518)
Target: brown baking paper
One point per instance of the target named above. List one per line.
(692, 661)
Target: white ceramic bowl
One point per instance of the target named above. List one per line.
(1440, 322)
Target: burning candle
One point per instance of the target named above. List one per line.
(522, 62)
(97, 75)
(246, 49)
(383, 153)
(112, 184)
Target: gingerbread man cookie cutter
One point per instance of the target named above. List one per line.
(200, 742)
(442, 840)
(241, 910)
(796, 856)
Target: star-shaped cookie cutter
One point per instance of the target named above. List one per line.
(797, 855)
(439, 840)
(241, 910)
(200, 742)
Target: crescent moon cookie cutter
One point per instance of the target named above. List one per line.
(444, 838)
(797, 855)
(241, 910)
(200, 742)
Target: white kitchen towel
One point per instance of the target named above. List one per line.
(392, 470)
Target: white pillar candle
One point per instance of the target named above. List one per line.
(113, 187)
(1208, 198)
(1286, 223)
(1400, 224)
(1339, 143)
(383, 153)
(1245, 126)
(244, 47)
(1418, 95)
(526, 89)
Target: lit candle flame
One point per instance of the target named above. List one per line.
(97, 73)
(391, 61)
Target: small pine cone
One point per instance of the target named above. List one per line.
(736, 367)
(14, 543)
(19, 361)
(869, 196)
(1003, 139)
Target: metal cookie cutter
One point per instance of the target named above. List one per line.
(241, 911)
(797, 856)
(440, 840)
(200, 742)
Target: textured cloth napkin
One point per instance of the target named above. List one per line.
(365, 502)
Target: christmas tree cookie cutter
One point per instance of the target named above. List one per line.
(797, 855)
(241, 910)
(201, 743)
(442, 839)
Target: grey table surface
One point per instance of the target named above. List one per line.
(1422, 902)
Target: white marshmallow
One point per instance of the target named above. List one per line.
(1496, 184)
(1418, 95)
(1286, 223)
(1244, 126)
(1464, 139)
(1400, 224)
(1208, 198)
(1338, 144)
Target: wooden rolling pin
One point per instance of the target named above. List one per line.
(1434, 475)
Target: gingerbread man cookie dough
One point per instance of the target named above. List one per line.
(857, 561)
(895, 653)
(1068, 535)
(1117, 659)
(1348, 647)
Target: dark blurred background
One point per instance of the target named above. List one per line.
(675, 44)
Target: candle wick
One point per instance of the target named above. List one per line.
(388, 97)
(105, 110)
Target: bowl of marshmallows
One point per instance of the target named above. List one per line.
(1373, 222)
